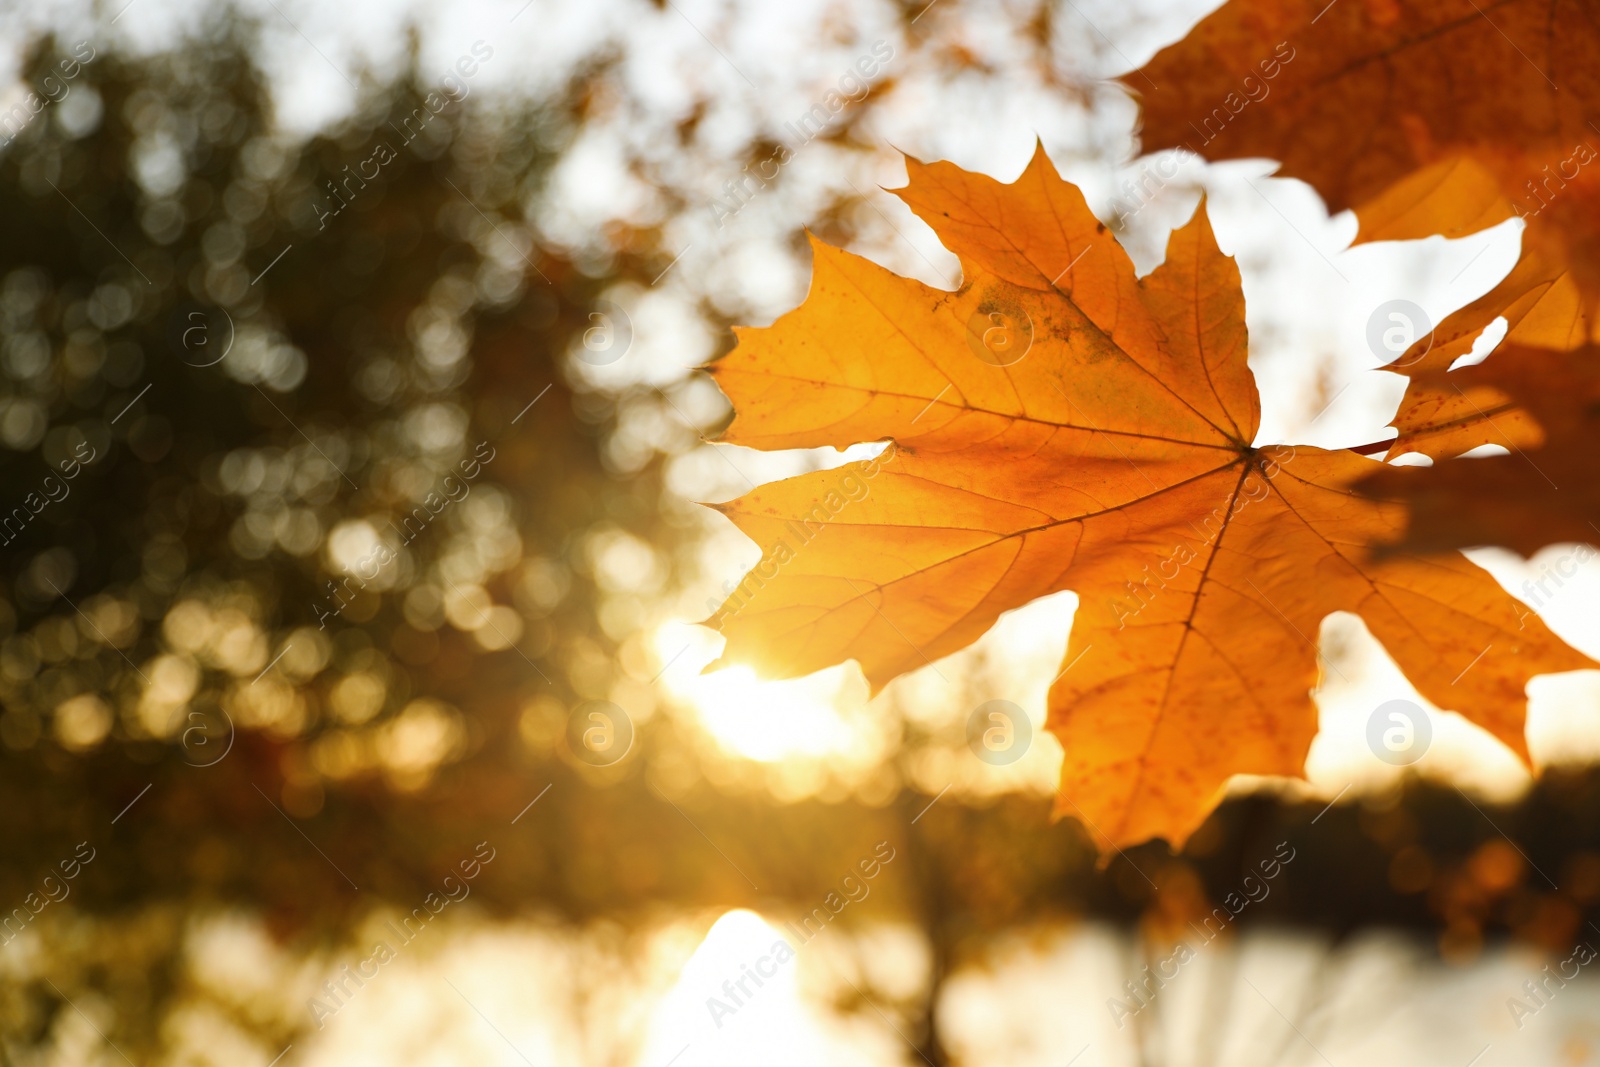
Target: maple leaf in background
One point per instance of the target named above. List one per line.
(1058, 424)
(1444, 116)
(1437, 118)
(1445, 414)
(1546, 491)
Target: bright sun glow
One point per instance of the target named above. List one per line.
(761, 720)
(722, 1011)
(769, 721)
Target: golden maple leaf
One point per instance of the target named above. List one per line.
(1424, 116)
(1545, 491)
(1059, 424)
(1445, 414)
(1443, 117)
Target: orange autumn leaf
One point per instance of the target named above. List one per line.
(1444, 116)
(1542, 492)
(1443, 415)
(1059, 424)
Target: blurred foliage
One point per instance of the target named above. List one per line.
(180, 611)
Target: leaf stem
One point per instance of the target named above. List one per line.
(1375, 446)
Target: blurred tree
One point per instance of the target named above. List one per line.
(300, 502)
